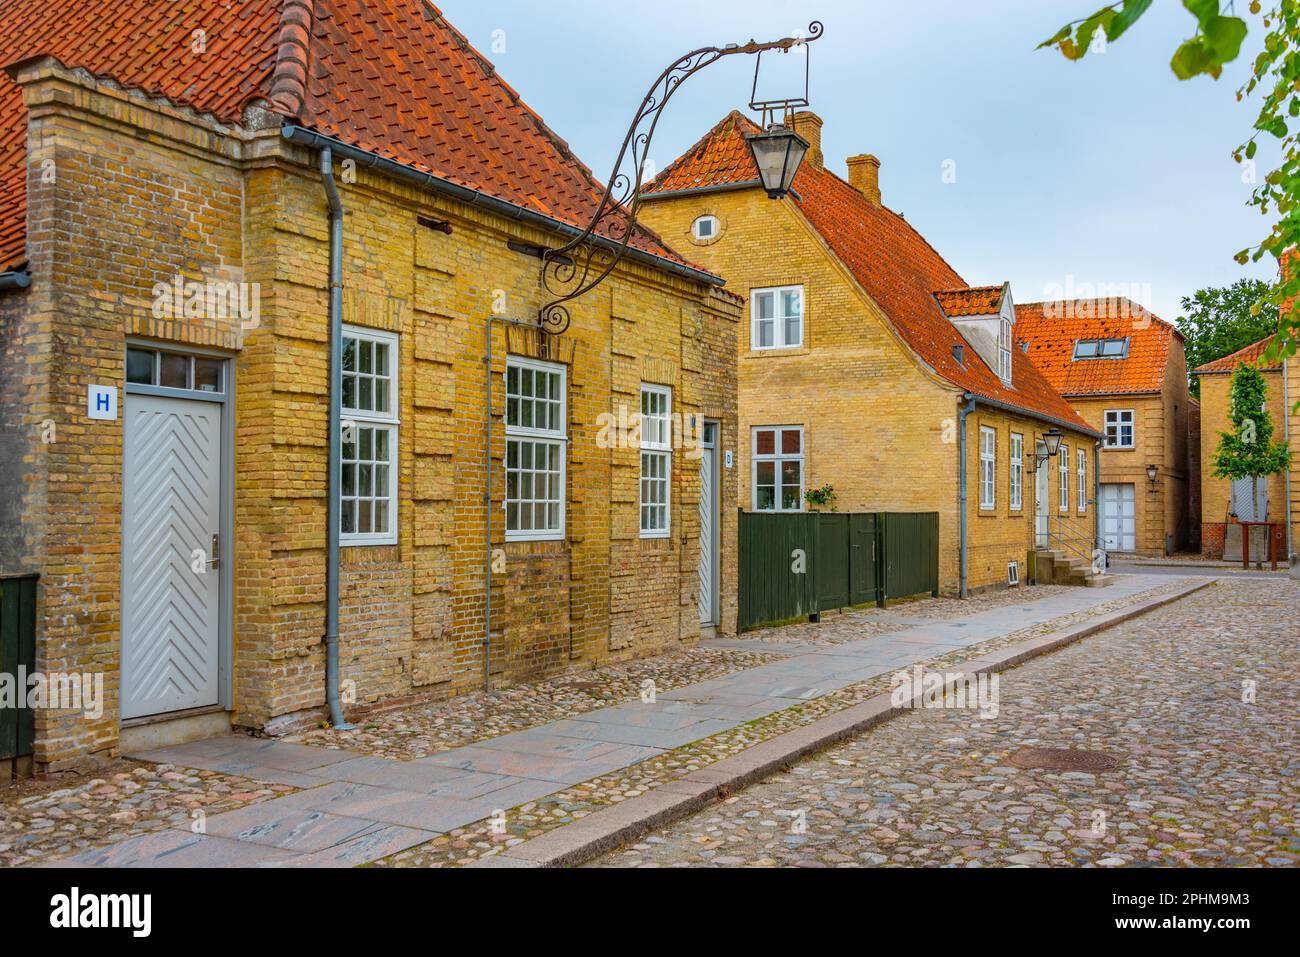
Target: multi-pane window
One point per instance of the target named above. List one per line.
(1083, 479)
(1063, 478)
(776, 318)
(706, 227)
(988, 468)
(171, 370)
(535, 449)
(1101, 349)
(656, 460)
(1017, 471)
(1004, 350)
(1119, 428)
(778, 468)
(368, 487)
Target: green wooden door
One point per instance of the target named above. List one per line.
(17, 654)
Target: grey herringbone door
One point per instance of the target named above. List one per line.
(171, 509)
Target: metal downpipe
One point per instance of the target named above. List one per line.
(335, 444)
(15, 280)
(1098, 545)
(961, 488)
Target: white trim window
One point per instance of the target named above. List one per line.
(1004, 350)
(536, 449)
(368, 465)
(1017, 471)
(656, 460)
(776, 318)
(1063, 478)
(778, 468)
(988, 468)
(1119, 429)
(1083, 480)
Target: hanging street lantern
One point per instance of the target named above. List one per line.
(588, 259)
(778, 153)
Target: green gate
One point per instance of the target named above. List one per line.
(17, 651)
(795, 564)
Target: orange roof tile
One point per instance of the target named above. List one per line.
(388, 76)
(1251, 355)
(890, 259)
(1052, 328)
(975, 301)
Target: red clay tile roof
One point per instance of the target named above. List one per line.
(1052, 329)
(975, 301)
(890, 259)
(1252, 355)
(389, 76)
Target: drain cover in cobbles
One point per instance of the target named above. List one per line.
(1063, 759)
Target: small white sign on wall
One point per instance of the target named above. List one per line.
(101, 402)
(730, 458)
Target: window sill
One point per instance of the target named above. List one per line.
(367, 542)
(513, 537)
(777, 351)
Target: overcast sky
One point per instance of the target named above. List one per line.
(1108, 172)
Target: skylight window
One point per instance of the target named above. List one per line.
(1101, 349)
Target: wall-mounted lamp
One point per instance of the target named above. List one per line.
(1153, 473)
(1051, 440)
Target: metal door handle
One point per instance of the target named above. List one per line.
(216, 551)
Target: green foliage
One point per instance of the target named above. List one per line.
(823, 497)
(1216, 322)
(1248, 451)
(1275, 74)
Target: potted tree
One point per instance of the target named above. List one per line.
(1248, 451)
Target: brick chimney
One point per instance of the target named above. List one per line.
(864, 176)
(809, 126)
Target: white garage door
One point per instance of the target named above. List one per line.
(1118, 518)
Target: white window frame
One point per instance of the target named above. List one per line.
(778, 458)
(1004, 350)
(1017, 486)
(778, 321)
(1063, 479)
(707, 217)
(1116, 417)
(988, 468)
(534, 436)
(1082, 455)
(656, 445)
(387, 422)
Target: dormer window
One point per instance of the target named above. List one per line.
(1101, 349)
(705, 228)
(1004, 350)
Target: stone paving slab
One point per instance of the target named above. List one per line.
(298, 830)
(665, 738)
(169, 848)
(241, 751)
(540, 767)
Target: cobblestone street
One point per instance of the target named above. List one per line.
(1204, 778)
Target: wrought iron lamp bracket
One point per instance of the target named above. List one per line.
(586, 261)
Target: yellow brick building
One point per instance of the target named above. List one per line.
(182, 542)
(867, 363)
(1124, 370)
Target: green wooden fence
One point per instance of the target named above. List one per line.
(17, 649)
(801, 563)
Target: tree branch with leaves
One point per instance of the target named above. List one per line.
(1275, 75)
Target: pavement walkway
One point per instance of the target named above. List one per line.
(354, 809)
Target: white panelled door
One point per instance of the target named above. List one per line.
(1118, 518)
(709, 525)
(171, 509)
(1041, 476)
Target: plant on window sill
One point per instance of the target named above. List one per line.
(819, 498)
